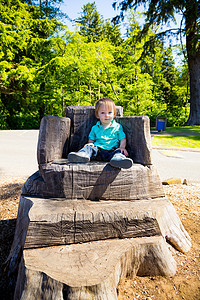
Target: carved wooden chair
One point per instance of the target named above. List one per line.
(95, 180)
(71, 244)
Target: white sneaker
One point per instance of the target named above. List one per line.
(78, 157)
(121, 161)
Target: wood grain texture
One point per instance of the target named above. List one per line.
(53, 138)
(138, 136)
(58, 135)
(57, 212)
(98, 237)
(90, 270)
(94, 180)
(54, 222)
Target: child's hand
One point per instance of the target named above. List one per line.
(123, 151)
(89, 144)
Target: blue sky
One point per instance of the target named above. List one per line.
(74, 7)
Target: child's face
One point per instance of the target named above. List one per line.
(105, 114)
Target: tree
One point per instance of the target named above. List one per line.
(90, 22)
(95, 28)
(26, 45)
(111, 32)
(161, 11)
(48, 8)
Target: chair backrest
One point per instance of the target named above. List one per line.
(82, 120)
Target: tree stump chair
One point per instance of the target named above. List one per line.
(94, 180)
(82, 227)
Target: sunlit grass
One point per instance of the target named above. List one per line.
(184, 129)
(183, 141)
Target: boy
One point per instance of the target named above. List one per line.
(107, 140)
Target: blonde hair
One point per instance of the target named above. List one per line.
(105, 101)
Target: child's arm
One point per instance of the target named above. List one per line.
(122, 147)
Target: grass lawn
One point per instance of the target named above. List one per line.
(184, 141)
(181, 140)
(184, 129)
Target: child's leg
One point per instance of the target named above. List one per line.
(119, 160)
(83, 155)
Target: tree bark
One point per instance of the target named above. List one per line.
(194, 68)
(193, 52)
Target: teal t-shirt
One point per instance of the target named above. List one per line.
(107, 138)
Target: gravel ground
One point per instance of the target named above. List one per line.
(184, 285)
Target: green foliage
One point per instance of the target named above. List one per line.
(43, 71)
(161, 12)
(90, 23)
(26, 46)
(94, 28)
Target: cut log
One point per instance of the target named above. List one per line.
(97, 237)
(94, 180)
(90, 270)
(45, 222)
(60, 135)
(54, 222)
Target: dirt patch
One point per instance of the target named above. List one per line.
(184, 285)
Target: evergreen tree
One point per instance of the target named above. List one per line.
(48, 8)
(90, 22)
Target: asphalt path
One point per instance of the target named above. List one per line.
(18, 158)
(18, 153)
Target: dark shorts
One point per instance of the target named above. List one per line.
(104, 155)
(96, 153)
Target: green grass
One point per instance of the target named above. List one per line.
(184, 129)
(183, 141)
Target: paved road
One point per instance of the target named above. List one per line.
(18, 152)
(18, 158)
(178, 164)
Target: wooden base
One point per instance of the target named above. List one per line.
(90, 270)
(94, 245)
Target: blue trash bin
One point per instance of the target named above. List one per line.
(161, 125)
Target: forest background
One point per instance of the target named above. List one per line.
(44, 67)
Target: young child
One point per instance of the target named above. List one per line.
(107, 140)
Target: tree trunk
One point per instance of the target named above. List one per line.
(193, 52)
(194, 68)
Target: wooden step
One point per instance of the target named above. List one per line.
(57, 221)
(60, 222)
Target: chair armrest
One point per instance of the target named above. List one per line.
(53, 138)
(137, 130)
